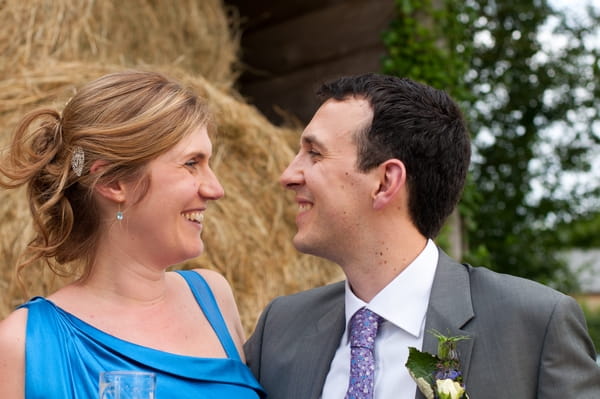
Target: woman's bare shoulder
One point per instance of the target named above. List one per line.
(224, 295)
(215, 280)
(12, 328)
(12, 361)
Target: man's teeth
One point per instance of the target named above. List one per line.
(197, 217)
(304, 207)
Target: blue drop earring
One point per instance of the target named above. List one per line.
(119, 214)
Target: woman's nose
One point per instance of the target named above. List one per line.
(211, 188)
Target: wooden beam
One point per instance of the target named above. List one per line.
(325, 34)
(294, 92)
(259, 14)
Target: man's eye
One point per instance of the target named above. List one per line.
(191, 163)
(313, 153)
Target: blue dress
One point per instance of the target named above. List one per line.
(64, 356)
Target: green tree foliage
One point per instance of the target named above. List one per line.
(581, 233)
(532, 111)
(593, 323)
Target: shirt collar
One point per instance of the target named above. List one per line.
(403, 302)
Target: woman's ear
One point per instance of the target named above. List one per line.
(392, 179)
(114, 191)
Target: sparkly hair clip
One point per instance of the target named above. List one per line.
(77, 160)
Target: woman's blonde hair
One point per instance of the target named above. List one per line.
(124, 119)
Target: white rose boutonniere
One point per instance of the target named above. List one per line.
(449, 389)
(438, 377)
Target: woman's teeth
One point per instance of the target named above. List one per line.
(197, 217)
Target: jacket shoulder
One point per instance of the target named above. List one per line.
(316, 297)
(486, 282)
(515, 301)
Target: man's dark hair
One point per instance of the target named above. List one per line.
(418, 125)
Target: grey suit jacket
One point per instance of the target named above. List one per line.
(527, 340)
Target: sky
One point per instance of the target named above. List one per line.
(576, 8)
(572, 5)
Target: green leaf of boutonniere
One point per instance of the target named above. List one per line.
(420, 364)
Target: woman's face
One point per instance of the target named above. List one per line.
(164, 227)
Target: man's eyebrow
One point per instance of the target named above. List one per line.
(311, 140)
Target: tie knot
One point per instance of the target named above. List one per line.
(363, 328)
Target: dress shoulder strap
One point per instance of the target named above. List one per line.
(206, 299)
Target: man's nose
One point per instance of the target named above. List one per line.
(292, 175)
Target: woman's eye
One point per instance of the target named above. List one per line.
(313, 153)
(191, 163)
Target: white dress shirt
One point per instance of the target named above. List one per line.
(403, 304)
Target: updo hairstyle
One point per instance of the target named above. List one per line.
(125, 119)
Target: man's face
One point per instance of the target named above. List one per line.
(333, 197)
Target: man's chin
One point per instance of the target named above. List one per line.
(301, 244)
(306, 246)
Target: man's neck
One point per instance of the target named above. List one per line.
(382, 264)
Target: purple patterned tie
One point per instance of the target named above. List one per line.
(363, 329)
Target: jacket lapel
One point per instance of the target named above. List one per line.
(317, 349)
(450, 309)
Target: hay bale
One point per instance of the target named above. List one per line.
(195, 35)
(247, 233)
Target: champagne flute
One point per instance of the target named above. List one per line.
(127, 385)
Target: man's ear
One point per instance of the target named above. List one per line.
(113, 191)
(392, 179)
